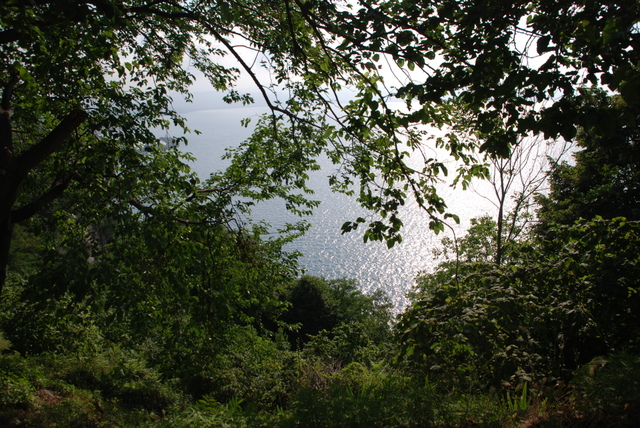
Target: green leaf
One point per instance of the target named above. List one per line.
(630, 90)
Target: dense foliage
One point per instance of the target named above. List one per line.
(603, 180)
(135, 294)
(84, 82)
(562, 300)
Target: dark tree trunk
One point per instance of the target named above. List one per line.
(8, 188)
(15, 168)
(6, 232)
(498, 259)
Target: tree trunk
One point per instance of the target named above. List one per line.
(14, 169)
(8, 189)
(499, 243)
(6, 232)
(8, 193)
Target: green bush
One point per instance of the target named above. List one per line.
(112, 387)
(607, 390)
(347, 343)
(209, 413)
(19, 379)
(559, 303)
(120, 376)
(318, 305)
(62, 324)
(357, 396)
(250, 368)
(15, 391)
(80, 409)
(4, 343)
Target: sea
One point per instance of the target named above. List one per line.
(326, 251)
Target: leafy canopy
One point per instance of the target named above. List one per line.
(85, 84)
(603, 181)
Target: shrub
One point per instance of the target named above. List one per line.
(607, 390)
(357, 396)
(318, 305)
(559, 303)
(347, 343)
(120, 376)
(250, 368)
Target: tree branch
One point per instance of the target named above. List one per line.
(141, 207)
(36, 154)
(31, 209)
(151, 211)
(7, 93)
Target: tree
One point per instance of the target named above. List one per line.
(514, 181)
(319, 305)
(171, 283)
(519, 69)
(98, 75)
(483, 53)
(86, 85)
(603, 180)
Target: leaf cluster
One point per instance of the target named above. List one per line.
(562, 300)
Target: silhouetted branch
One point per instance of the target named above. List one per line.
(56, 189)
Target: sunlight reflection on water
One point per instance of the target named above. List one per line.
(326, 252)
